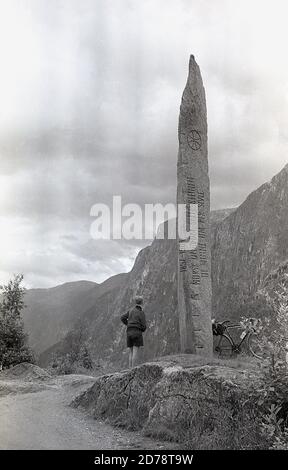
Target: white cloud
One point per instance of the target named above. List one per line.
(90, 93)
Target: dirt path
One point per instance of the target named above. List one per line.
(37, 416)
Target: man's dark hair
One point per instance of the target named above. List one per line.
(139, 300)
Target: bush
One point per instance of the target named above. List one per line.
(77, 360)
(13, 340)
(271, 394)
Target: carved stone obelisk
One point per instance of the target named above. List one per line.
(193, 191)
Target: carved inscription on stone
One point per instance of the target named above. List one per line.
(193, 190)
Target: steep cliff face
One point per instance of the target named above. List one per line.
(154, 275)
(249, 244)
(277, 280)
(217, 216)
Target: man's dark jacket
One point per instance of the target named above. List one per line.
(135, 319)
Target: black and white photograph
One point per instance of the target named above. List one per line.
(143, 228)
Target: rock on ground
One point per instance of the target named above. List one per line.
(26, 372)
(175, 399)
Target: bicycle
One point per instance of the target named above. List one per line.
(226, 345)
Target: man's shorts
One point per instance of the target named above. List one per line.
(134, 338)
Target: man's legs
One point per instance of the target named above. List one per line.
(134, 355)
(130, 357)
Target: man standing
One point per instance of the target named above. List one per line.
(135, 321)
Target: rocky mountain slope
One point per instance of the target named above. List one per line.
(248, 245)
(277, 280)
(154, 275)
(51, 313)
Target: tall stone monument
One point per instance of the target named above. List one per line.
(193, 190)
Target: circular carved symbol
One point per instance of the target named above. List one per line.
(194, 140)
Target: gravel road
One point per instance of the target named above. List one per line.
(36, 415)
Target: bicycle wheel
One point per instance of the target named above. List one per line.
(253, 346)
(224, 348)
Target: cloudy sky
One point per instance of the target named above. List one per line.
(89, 99)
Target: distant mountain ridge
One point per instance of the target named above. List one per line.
(51, 313)
(248, 243)
(154, 274)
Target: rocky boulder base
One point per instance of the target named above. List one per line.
(181, 399)
(26, 372)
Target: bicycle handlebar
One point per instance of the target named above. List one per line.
(232, 325)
